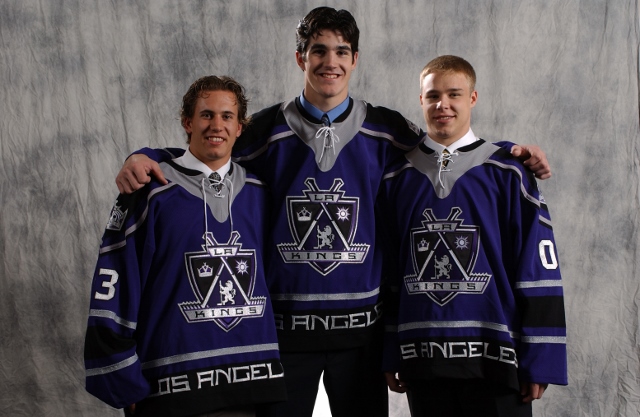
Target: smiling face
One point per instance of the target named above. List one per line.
(447, 99)
(214, 127)
(327, 64)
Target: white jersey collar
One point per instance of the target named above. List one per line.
(467, 139)
(188, 160)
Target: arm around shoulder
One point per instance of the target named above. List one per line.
(141, 165)
(534, 158)
(531, 156)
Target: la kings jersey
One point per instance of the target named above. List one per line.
(323, 264)
(475, 269)
(180, 321)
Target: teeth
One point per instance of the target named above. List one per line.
(215, 139)
(330, 76)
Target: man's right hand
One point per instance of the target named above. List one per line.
(136, 172)
(395, 384)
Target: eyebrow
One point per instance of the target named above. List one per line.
(448, 90)
(205, 111)
(321, 46)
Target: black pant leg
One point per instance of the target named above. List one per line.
(465, 398)
(301, 375)
(355, 384)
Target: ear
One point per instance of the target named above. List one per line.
(239, 130)
(355, 61)
(300, 60)
(421, 99)
(474, 98)
(187, 125)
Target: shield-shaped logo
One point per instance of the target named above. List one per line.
(444, 254)
(323, 224)
(116, 218)
(222, 277)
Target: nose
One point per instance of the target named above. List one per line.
(330, 59)
(442, 104)
(216, 123)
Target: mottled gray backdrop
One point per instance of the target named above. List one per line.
(84, 83)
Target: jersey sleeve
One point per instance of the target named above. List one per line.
(250, 149)
(160, 154)
(403, 134)
(539, 293)
(113, 370)
(505, 145)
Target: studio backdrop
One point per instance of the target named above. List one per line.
(85, 82)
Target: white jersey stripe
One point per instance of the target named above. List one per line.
(112, 368)
(325, 297)
(113, 316)
(209, 354)
(539, 284)
(544, 339)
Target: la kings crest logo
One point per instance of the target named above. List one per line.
(444, 254)
(222, 277)
(323, 224)
(116, 218)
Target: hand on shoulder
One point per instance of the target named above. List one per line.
(534, 158)
(136, 172)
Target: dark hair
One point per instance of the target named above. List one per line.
(327, 18)
(449, 63)
(214, 83)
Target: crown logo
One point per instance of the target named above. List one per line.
(116, 218)
(304, 215)
(205, 270)
(423, 246)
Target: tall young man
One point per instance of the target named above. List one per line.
(323, 155)
(478, 325)
(180, 321)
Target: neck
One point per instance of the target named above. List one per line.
(213, 165)
(216, 165)
(453, 142)
(445, 142)
(324, 103)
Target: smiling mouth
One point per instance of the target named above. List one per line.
(330, 76)
(214, 139)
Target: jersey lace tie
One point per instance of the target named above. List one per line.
(443, 160)
(329, 137)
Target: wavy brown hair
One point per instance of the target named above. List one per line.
(214, 83)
